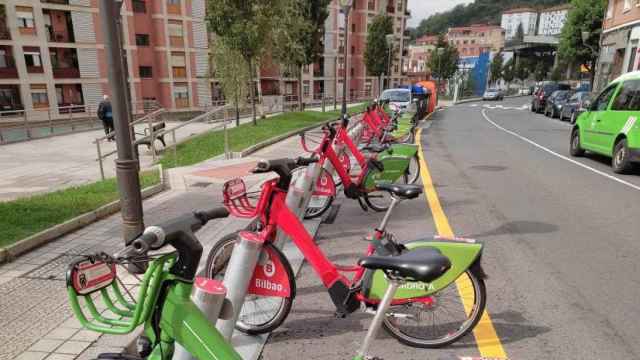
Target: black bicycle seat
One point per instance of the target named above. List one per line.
(403, 191)
(424, 264)
(376, 148)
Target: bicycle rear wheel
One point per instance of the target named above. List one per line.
(260, 314)
(453, 313)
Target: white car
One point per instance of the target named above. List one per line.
(524, 91)
(400, 98)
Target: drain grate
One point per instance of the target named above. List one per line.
(53, 270)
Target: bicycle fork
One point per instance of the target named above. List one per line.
(374, 328)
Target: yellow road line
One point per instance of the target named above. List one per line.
(487, 339)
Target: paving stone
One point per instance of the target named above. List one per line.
(86, 335)
(73, 347)
(46, 345)
(32, 355)
(62, 333)
(60, 357)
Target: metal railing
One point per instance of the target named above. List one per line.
(19, 125)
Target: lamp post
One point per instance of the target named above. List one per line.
(346, 7)
(438, 51)
(389, 38)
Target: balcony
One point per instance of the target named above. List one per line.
(60, 28)
(64, 63)
(8, 68)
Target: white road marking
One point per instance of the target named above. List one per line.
(611, 177)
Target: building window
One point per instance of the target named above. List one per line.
(353, 72)
(627, 5)
(181, 95)
(610, 9)
(179, 65)
(39, 96)
(146, 72)
(176, 35)
(371, 5)
(173, 7)
(353, 27)
(25, 21)
(139, 6)
(32, 59)
(142, 39)
(306, 89)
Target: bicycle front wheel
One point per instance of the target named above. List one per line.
(451, 314)
(259, 314)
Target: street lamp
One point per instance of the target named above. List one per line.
(438, 51)
(346, 7)
(389, 38)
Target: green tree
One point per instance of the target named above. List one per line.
(232, 74)
(556, 74)
(244, 26)
(586, 15)
(444, 60)
(540, 72)
(509, 72)
(522, 70)
(296, 36)
(376, 54)
(496, 68)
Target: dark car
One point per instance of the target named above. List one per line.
(575, 106)
(539, 101)
(555, 102)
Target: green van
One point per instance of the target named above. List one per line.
(609, 125)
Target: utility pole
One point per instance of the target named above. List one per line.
(127, 166)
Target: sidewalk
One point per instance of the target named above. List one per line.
(35, 320)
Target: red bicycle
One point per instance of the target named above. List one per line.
(395, 163)
(272, 288)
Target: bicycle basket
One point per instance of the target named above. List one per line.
(95, 279)
(236, 199)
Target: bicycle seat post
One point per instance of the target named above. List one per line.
(387, 215)
(376, 324)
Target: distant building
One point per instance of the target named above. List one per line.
(473, 40)
(552, 20)
(427, 40)
(619, 42)
(511, 19)
(419, 56)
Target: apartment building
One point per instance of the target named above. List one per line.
(52, 56)
(514, 18)
(552, 20)
(471, 41)
(619, 42)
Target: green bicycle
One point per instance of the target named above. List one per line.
(164, 306)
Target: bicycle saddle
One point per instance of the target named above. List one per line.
(401, 190)
(376, 148)
(424, 264)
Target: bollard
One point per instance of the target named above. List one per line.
(208, 295)
(240, 269)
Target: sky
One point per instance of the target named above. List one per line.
(421, 9)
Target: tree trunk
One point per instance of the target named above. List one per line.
(299, 69)
(252, 92)
(237, 111)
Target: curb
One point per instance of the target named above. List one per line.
(25, 245)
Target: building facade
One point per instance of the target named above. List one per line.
(512, 19)
(619, 41)
(471, 41)
(52, 56)
(552, 20)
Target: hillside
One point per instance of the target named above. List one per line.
(480, 11)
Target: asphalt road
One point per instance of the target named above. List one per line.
(561, 238)
(560, 233)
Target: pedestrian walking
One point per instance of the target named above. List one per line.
(105, 114)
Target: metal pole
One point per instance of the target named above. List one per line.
(126, 165)
(151, 139)
(100, 158)
(175, 148)
(346, 54)
(226, 134)
(26, 124)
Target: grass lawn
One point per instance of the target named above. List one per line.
(208, 145)
(24, 217)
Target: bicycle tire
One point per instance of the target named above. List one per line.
(375, 205)
(479, 303)
(216, 270)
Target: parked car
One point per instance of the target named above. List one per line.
(539, 101)
(555, 102)
(493, 94)
(525, 91)
(610, 126)
(399, 97)
(575, 106)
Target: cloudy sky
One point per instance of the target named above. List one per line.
(421, 9)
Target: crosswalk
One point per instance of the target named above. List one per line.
(502, 107)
